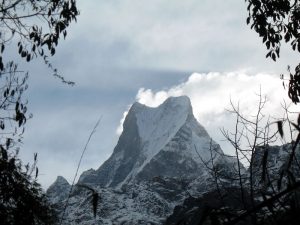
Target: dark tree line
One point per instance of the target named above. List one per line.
(34, 27)
(21, 198)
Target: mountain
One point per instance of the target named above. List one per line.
(270, 178)
(58, 190)
(162, 156)
(160, 141)
(275, 159)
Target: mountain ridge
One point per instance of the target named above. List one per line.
(147, 132)
(156, 164)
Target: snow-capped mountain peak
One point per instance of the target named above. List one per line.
(154, 123)
(157, 126)
(58, 190)
(151, 134)
(156, 162)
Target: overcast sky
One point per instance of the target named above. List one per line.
(121, 51)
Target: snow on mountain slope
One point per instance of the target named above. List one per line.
(59, 190)
(149, 136)
(157, 162)
(156, 126)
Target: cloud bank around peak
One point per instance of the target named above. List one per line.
(211, 94)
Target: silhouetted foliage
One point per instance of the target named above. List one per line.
(272, 177)
(277, 22)
(22, 200)
(35, 28)
(19, 21)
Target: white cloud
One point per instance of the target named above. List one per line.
(111, 52)
(210, 95)
(120, 127)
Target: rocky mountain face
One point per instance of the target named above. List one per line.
(268, 171)
(198, 210)
(160, 159)
(275, 160)
(58, 190)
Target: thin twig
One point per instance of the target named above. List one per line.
(76, 173)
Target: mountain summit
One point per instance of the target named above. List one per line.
(162, 141)
(161, 158)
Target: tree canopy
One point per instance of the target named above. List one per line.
(35, 27)
(277, 22)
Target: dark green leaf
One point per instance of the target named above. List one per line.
(52, 51)
(248, 20)
(4, 153)
(280, 128)
(28, 57)
(36, 172)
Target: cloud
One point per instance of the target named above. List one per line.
(211, 93)
(63, 116)
(120, 127)
(182, 35)
(119, 46)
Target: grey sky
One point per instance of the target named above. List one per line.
(118, 47)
